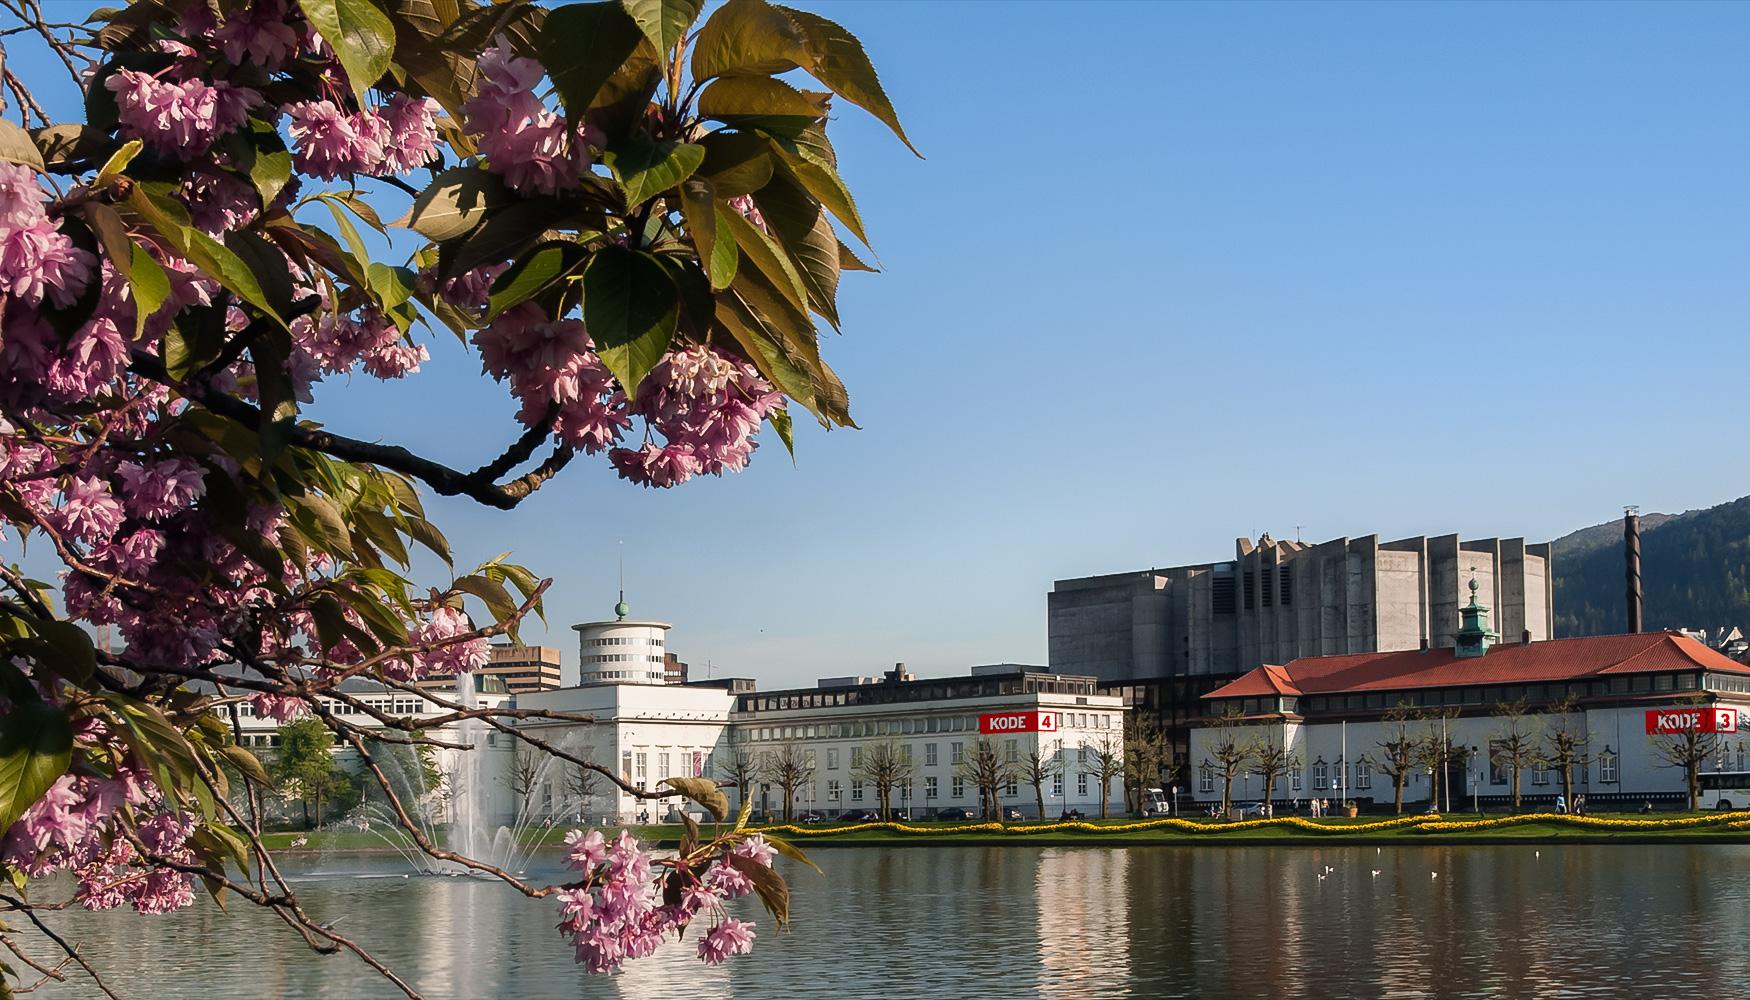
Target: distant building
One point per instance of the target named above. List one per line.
(522, 668)
(673, 670)
(623, 650)
(1618, 694)
(1277, 601)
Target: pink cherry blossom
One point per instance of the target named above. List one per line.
(21, 196)
(259, 33)
(39, 260)
(523, 140)
(180, 120)
(731, 937)
(412, 125)
(157, 490)
(88, 513)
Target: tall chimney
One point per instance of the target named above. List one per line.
(1631, 545)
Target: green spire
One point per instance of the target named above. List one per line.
(1473, 637)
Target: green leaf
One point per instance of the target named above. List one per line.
(206, 253)
(36, 748)
(321, 521)
(72, 655)
(792, 852)
(820, 178)
(456, 202)
(780, 418)
(836, 58)
(849, 261)
(530, 273)
(664, 22)
(717, 256)
(393, 285)
(737, 163)
(267, 263)
(491, 593)
(118, 162)
(704, 791)
(747, 36)
(151, 286)
(767, 884)
(247, 764)
(583, 45)
(806, 235)
(645, 169)
(262, 154)
(426, 534)
(271, 356)
(630, 307)
(65, 144)
(768, 258)
(17, 146)
(361, 35)
(763, 103)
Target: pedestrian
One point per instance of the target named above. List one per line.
(1561, 803)
(1579, 805)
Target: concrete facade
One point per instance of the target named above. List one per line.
(1280, 600)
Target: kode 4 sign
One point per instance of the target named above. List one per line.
(1692, 720)
(1017, 722)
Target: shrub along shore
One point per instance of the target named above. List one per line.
(1523, 828)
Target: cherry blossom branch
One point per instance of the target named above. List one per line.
(71, 951)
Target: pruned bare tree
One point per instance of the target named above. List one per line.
(1148, 757)
(525, 774)
(1231, 752)
(1514, 742)
(1106, 754)
(1039, 765)
(1688, 749)
(1273, 757)
(885, 766)
(1399, 751)
(791, 768)
(740, 771)
(989, 770)
(1564, 745)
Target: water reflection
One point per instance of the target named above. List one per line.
(1213, 922)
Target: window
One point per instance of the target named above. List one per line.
(959, 787)
(1057, 783)
(834, 791)
(856, 757)
(662, 770)
(930, 754)
(1363, 774)
(1540, 776)
(832, 759)
(1013, 790)
(856, 791)
(1082, 783)
(957, 754)
(905, 754)
(626, 765)
(1011, 751)
(640, 769)
(808, 759)
(1607, 767)
(930, 787)
(1294, 780)
(1321, 775)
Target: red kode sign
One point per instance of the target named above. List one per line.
(1017, 722)
(1692, 720)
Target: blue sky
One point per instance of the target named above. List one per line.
(1172, 274)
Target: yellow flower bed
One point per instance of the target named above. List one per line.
(1083, 826)
(1419, 823)
(1731, 820)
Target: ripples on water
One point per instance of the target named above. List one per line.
(1215, 922)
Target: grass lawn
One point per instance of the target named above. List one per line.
(1710, 828)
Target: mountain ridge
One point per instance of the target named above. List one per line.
(1694, 572)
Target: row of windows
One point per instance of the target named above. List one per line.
(1361, 775)
(932, 690)
(1491, 695)
(388, 706)
(621, 640)
(624, 675)
(957, 789)
(635, 765)
(861, 729)
(623, 658)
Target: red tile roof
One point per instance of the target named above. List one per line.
(1551, 660)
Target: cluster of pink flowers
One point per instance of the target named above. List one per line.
(37, 260)
(73, 827)
(616, 911)
(331, 142)
(336, 343)
(707, 406)
(525, 142)
(180, 119)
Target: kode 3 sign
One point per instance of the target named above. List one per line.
(1662, 721)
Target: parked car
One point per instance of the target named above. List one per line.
(952, 813)
(858, 816)
(1011, 814)
(811, 817)
(1255, 809)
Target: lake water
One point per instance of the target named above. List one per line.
(1212, 922)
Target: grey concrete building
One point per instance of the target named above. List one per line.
(1278, 601)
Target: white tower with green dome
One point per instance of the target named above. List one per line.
(625, 650)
